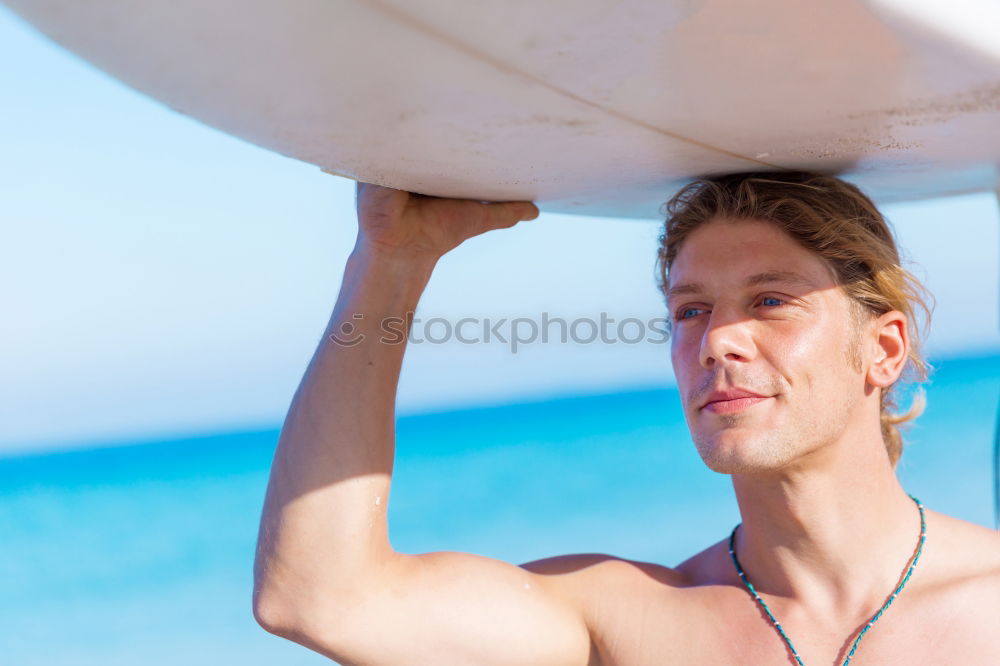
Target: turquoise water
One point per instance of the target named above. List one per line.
(143, 554)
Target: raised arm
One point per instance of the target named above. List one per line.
(325, 574)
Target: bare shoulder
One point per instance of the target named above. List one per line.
(962, 601)
(973, 550)
(585, 577)
(614, 596)
(633, 609)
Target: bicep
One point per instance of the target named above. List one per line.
(452, 608)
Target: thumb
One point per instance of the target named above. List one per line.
(379, 200)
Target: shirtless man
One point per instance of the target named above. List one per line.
(784, 357)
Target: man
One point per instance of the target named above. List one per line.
(791, 321)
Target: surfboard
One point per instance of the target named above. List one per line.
(598, 108)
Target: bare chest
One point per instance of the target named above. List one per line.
(724, 625)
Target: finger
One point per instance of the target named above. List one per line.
(509, 213)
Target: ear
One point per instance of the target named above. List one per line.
(892, 345)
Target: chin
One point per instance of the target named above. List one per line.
(738, 451)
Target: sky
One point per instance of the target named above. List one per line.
(161, 278)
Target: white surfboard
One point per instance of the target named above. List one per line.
(585, 106)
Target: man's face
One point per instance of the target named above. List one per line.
(753, 312)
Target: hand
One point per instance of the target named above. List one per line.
(406, 224)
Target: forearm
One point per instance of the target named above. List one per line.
(324, 520)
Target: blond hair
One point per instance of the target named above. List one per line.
(835, 220)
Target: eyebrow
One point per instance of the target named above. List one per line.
(767, 277)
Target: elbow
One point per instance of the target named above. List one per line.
(273, 612)
(305, 611)
(289, 616)
(272, 604)
(325, 634)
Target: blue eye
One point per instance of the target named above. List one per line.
(683, 314)
(764, 301)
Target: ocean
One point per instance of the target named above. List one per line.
(143, 554)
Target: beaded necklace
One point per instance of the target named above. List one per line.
(777, 625)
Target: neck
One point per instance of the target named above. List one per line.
(832, 534)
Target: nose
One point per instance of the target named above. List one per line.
(725, 339)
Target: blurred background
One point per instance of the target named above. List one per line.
(164, 287)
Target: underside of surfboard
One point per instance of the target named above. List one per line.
(590, 107)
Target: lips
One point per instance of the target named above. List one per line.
(731, 400)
